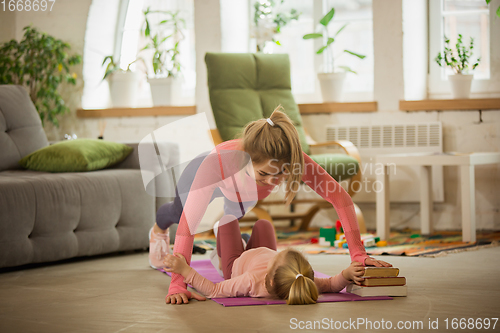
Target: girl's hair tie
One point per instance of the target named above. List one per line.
(270, 121)
(297, 276)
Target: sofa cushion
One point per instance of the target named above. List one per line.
(21, 131)
(47, 217)
(76, 155)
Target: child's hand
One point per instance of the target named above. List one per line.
(176, 263)
(354, 272)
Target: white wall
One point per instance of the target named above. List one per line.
(207, 18)
(462, 130)
(66, 21)
(388, 53)
(415, 49)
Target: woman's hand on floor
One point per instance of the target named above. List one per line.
(176, 263)
(377, 263)
(182, 298)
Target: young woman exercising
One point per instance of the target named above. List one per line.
(276, 155)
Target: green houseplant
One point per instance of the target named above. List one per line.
(460, 61)
(41, 63)
(114, 67)
(498, 9)
(331, 82)
(163, 40)
(123, 83)
(268, 21)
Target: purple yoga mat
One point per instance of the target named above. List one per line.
(208, 271)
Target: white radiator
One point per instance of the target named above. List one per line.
(373, 140)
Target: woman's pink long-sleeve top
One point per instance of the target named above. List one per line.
(248, 278)
(211, 174)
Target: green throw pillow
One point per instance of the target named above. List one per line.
(76, 155)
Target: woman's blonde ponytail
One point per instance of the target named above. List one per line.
(276, 140)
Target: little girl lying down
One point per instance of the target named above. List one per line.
(261, 271)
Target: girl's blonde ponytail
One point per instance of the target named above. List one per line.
(294, 280)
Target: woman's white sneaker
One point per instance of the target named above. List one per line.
(159, 247)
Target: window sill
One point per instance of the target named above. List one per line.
(305, 109)
(137, 112)
(451, 104)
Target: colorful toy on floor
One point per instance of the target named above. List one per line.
(328, 234)
(369, 242)
(338, 226)
(339, 243)
(324, 242)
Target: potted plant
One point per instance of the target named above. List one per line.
(459, 60)
(123, 84)
(331, 82)
(165, 59)
(268, 21)
(41, 63)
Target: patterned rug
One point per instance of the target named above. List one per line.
(404, 243)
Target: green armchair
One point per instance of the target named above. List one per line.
(244, 87)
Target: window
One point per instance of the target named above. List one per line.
(470, 18)
(356, 37)
(132, 41)
(114, 28)
(99, 42)
(301, 52)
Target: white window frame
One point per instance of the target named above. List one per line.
(181, 95)
(481, 88)
(300, 97)
(319, 10)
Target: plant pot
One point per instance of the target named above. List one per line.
(161, 90)
(460, 85)
(123, 88)
(332, 85)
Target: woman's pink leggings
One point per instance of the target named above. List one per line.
(230, 247)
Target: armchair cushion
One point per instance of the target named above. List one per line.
(339, 166)
(76, 155)
(244, 87)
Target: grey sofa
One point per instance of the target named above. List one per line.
(53, 216)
